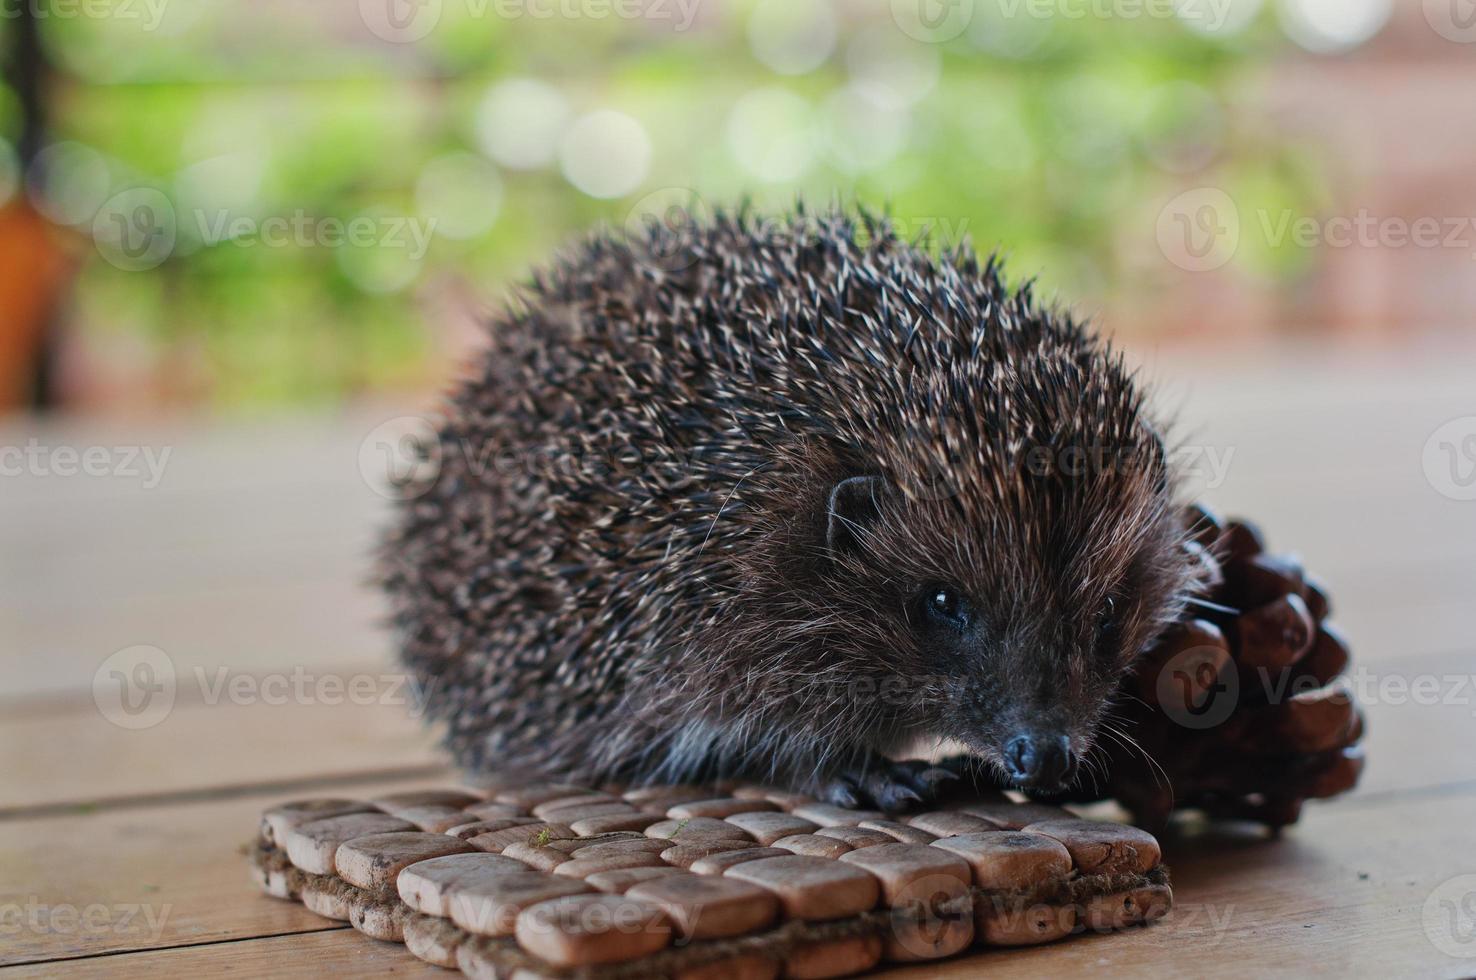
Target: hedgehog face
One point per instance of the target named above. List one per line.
(1011, 622)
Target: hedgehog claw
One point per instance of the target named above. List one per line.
(888, 786)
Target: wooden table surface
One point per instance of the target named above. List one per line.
(242, 565)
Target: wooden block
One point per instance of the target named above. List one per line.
(495, 811)
(929, 935)
(1002, 921)
(704, 907)
(949, 823)
(1009, 859)
(826, 815)
(1098, 847)
(585, 797)
(856, 837)
(721, 807)
(766, 828)
(311, 845)
(685, 855)
(536, 856)
(583, 811)
(737, 968)
(1014, 816)
(277, 820)
(431, 818)
(376, 920)
(427, 939)
(662, 798)
(1106, 913)
(833, 958)
(812, 888)
(638, 845)
(783, 799)
(326, 902)
(912, 873)
(582, 867)
(696, 830)
(618, 882)
(427, 886)
(716, 864)
(374, 860)
(814, 845)
(458, 798)
(466, 831)
(639, 821)
(490, 906)
(587, 930)
(571, 844)
(525, 798)
(899, 832)
(536, 833)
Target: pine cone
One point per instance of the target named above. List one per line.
(1239, 706)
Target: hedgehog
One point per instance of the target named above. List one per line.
(785, 499)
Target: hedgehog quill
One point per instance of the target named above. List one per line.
(775, 500)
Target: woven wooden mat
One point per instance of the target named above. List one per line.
(692, 882)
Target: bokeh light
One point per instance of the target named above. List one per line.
(1328, 26)
(461, 193)
(519, 122)
(771, 132)
(605, 154)
(792, 37)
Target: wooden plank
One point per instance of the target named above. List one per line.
(74, 755)
(143, 878)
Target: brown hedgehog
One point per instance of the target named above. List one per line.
(776, 500)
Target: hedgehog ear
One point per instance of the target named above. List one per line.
(854, 506)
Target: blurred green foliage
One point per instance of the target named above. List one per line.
(1044, 135)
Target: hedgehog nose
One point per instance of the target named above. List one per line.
(1039, 760)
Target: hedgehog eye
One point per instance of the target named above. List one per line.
(945, 605)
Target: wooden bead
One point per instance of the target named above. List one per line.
(855, 837)
(427, 939)
(585, 811)
(814, 845)
(685, 855)
(540, 858)
(826, 815)
(534, 833)
(929, 935)
(753, 967)
(426, 886)
(582, 867)
(571, 844)
(944, 823)
(583, 797)
(1097, 847)
(812, 888)
(376, 920)
(490, 906)
(525, 798)
(327, 902)
(696, 830)
(1008, 921)
(373, 861)
(706, 907)
(899, 832)
(661, 798)
(766, 828)
(311, 845)
(1105, 913)
(723, 807)
(587, 930)
(639, 845)
(785, 800)
(912, 873)
(433, 819)
(637, 821)
(466, 831)
(833, 958)
(1014, 816)
(277, 820)
(620, 881)
(1005, 860)
(716, 864)
(495, 811)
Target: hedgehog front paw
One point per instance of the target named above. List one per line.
(890, 786)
